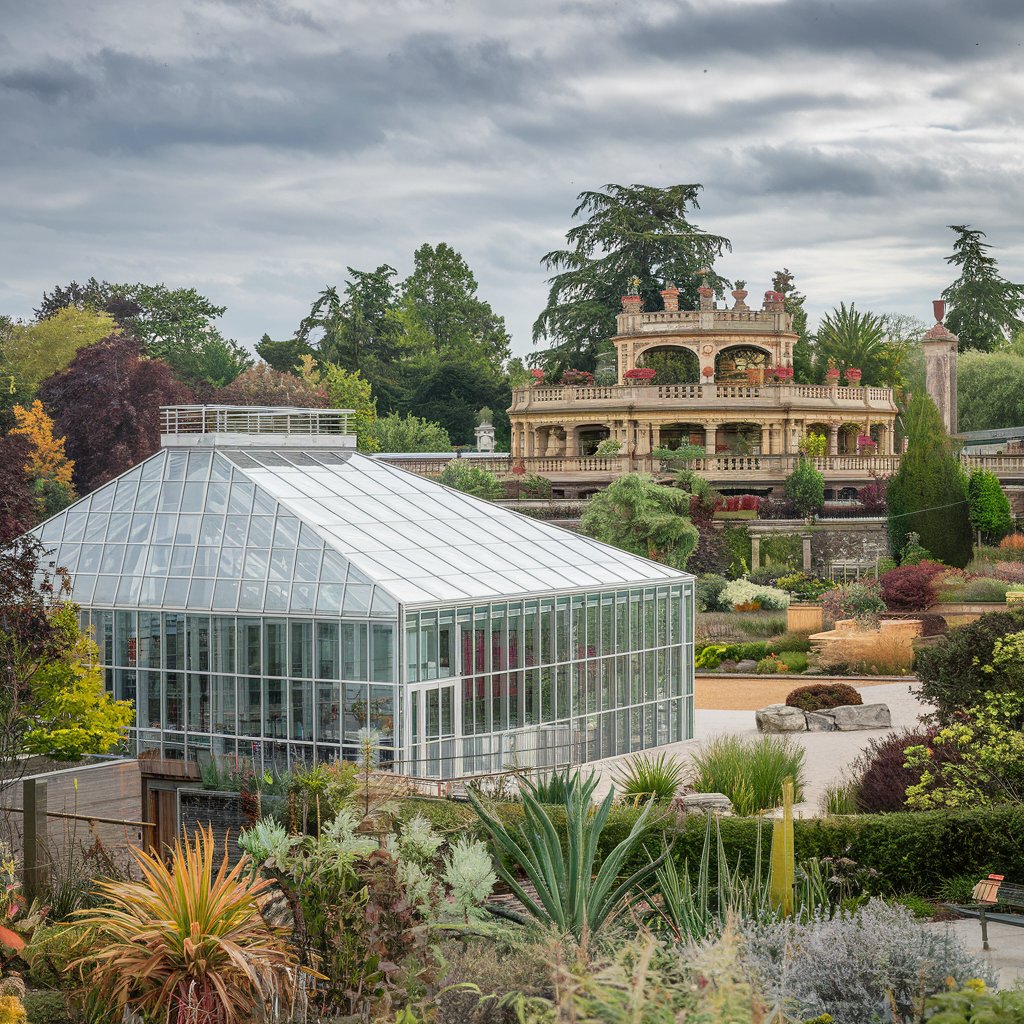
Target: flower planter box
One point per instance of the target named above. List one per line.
(804, 617)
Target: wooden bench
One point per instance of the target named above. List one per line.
(995, 891)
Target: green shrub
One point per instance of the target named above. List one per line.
(791, 642)
(709, 590)
(984, 588)
(783, 551)
(768, 666)
(917, 905)
(951, 670)
(823, 696)
(736, 540)
(805, 487)
(757, 624)
(749, 772)
(461, 475)
(710, 657)
(974, 1005)
(47, 1008)
(753, 650)
(795, 661)
(922, 852)
(804, 587)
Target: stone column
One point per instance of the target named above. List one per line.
(833, 439)
(755, 551)
(806, 538)
(940, 354)
(710, 438)
(766, 439)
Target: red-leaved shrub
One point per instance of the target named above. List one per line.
(880, 779)
(910, 588)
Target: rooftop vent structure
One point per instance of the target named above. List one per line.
(235, 426)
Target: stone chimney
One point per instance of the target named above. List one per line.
(670, 296)
(940, 356)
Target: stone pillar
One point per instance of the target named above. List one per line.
(484, 437)
(656, 435)
(833, 439)
(755, 551)
(711, 438)
(670, 297)
(940, 355)
(806, 538)
(766, 439)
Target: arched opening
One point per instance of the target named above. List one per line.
(738, 439)
(672, 365)
(589, 437)
(732, 364)
(847, 438)
(676, 435)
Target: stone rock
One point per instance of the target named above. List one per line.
(747, 665)
(708, 803)
(780, 718)
(819, 722)
(850, 717)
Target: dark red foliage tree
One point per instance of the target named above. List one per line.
(910, 588)
(17, 500)
(107, 404)
(263, 385)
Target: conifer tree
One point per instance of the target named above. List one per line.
(928, 494)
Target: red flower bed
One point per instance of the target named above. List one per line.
(577, 379)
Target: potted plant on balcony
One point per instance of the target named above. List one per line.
(832, 374)
(708, 372)
(538, 377)
(739, 293)
(632, 301)
(640, 375)
(782, 373)
(866, 444)
(853, 376)
(577, 379)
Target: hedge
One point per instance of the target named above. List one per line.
(913, 852)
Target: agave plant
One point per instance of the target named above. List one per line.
(652, 777)
(569, 895)
(556, 787)
(185, 943)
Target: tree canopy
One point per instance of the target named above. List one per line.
(988, 506)
(928, 493)
(631, 232)
(394, 433)
(647, 518)
(990, 389)
(848, 338)
(985, 310)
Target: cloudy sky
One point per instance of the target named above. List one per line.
(254, 148)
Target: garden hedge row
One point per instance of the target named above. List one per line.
(912, 852)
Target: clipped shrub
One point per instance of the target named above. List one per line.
(910, 587)
(823, 696)
(709, 591)
(740, 594)
(951, 670)
(804, 587)
(879, 776)
(776, 508)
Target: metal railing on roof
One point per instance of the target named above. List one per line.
(239, 419)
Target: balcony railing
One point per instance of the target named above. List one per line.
(653, 395)
(237, 419)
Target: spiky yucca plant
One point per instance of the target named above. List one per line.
(186, 943)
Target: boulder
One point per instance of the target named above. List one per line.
(707, 803)
(747, 665)
(819, 721)
(780, 718)
(850, 717)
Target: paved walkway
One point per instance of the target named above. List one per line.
(828, 754)
(1006, 953)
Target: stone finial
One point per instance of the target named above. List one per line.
(939, 309)
(940, 332)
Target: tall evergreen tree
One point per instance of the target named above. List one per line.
(989, 508)
(632, 231)
(928, 494)
(985, 310)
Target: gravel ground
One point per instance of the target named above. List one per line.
(745, 693)
(828, 754)
(1006, 946)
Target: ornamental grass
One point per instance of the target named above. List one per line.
(749, 772)
(185, 943)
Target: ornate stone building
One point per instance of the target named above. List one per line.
(722, 382)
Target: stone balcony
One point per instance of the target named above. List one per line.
(815, 398)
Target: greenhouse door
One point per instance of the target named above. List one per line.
(433, 726)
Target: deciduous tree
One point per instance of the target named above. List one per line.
(990, 389)
(263, 385)
(17, 499)
(394, 433)
(32, 352)
(107, 406)
(805, 488)
(928, 494)
(48, 468)
(985, 310)
(631, 231)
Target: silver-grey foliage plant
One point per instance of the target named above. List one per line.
(859, 967)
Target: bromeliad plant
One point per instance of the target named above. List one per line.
(569, 895)
(186, 942)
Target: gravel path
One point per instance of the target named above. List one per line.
(828, 754)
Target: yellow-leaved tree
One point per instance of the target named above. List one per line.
(48, 467)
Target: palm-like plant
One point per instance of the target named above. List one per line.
(185, 943)
(569, 896)
(848, 338)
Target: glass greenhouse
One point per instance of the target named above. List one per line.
(259, 589)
